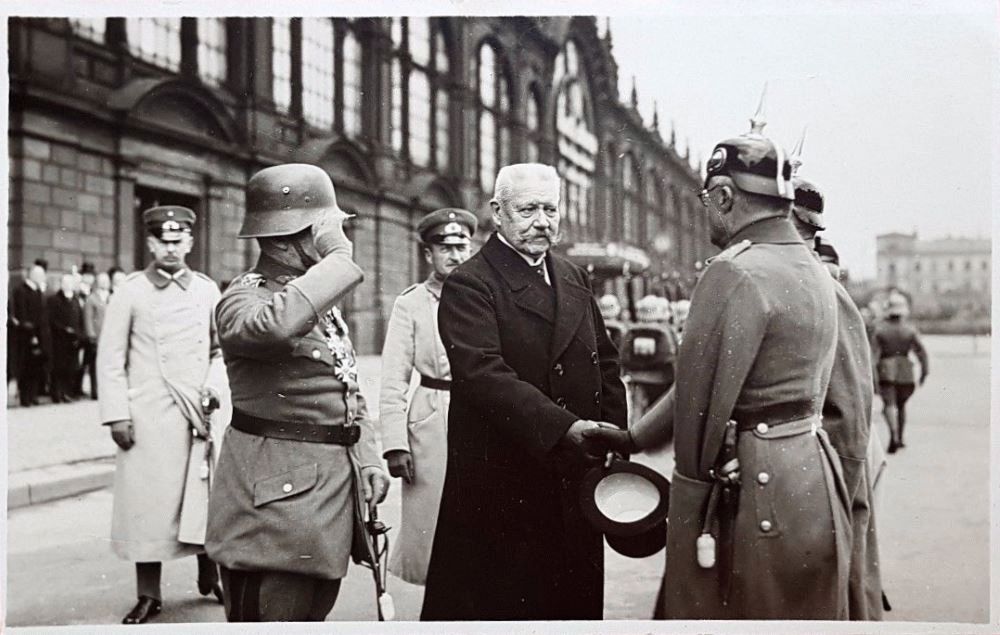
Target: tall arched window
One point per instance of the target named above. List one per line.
(90, 28)
(494, 106)
(155, 40)
(632, 200)
(212, 40)
(577, 143)
(318, 71)
(652, 206)
(532, 125)
(281, 63)
(352, 93)
(420, 101)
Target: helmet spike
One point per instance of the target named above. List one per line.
(796, 158)
(757, 122)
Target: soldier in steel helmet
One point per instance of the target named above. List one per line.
(282, 511)
(415, 430)
(757, 529)
(159, 367)
(847, 408)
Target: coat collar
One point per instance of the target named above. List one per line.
(778, 231)
(273, 269)
(434, 285)
(161, 279)
(530, 293)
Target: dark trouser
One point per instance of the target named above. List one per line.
(63, 383)
(89, 367)
(147, 576)
(272, 596)
(30, 379)
(897, 395)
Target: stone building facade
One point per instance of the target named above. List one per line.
(110, 116)
(954, 269)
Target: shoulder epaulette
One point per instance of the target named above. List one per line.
(410, 288)
(204, 276)
(134, 274)
(730, 252)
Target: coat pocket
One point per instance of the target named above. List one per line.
(313, 348)
(285, 485)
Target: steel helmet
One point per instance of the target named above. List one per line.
(286, 199)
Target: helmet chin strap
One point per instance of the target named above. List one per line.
(307, 260)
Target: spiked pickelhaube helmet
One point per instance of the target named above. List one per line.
(808, 206)
(286, 199)
(755, 163)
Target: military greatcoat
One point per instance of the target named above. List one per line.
(277, 504)
(418, 425)
(527, 360)
(761, 333)
(157, 350)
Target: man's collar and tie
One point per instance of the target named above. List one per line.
(537, 264)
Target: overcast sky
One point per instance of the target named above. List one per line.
(897, 105)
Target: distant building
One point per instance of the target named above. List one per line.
(954, 271)
(111, 116)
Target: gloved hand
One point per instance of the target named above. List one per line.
(576, 445)
(209, 401)
(374, 484)
(329, 237)
(123, 433)
(401, 465)
(610, 438)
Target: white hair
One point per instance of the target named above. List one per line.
(509, 174)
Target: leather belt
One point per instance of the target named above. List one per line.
(435, 384)
(294, 431)
(774, 414)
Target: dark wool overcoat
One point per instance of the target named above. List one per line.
(527, 360)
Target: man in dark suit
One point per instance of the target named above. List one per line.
(532, 368)
(30, 320)
(66, 321)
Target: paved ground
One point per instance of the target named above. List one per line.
(934, 528)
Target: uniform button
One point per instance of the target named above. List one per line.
(597, 397)
(762, 428)
(559, 369)
(316, 354)
(561, 402)
(765, 525)
(287, 487)
(763, 478)
(594, 358)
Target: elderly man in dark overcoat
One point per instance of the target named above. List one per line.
(532, 368)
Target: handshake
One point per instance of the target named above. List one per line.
(596, 441)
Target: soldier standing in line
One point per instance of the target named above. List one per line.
(415, 434)
(758, 525)
(66, 323)
(158, 364)
(847, 411)
(282, 510)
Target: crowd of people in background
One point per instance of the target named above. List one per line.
(52, 335)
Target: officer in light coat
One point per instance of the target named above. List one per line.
(415, 432)
(158, 360)
(301, 444)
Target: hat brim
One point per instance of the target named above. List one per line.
(289, 222)
(592, 512)
(757, 184)
(809, 217)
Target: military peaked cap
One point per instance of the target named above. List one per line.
(169, 223)
(448, 226)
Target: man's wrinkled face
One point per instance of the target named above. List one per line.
(446, 258)
(529, 216)
(169, 256)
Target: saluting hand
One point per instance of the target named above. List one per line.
(329, 237)
(123, 433)
(375, 485)
(401, 465)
